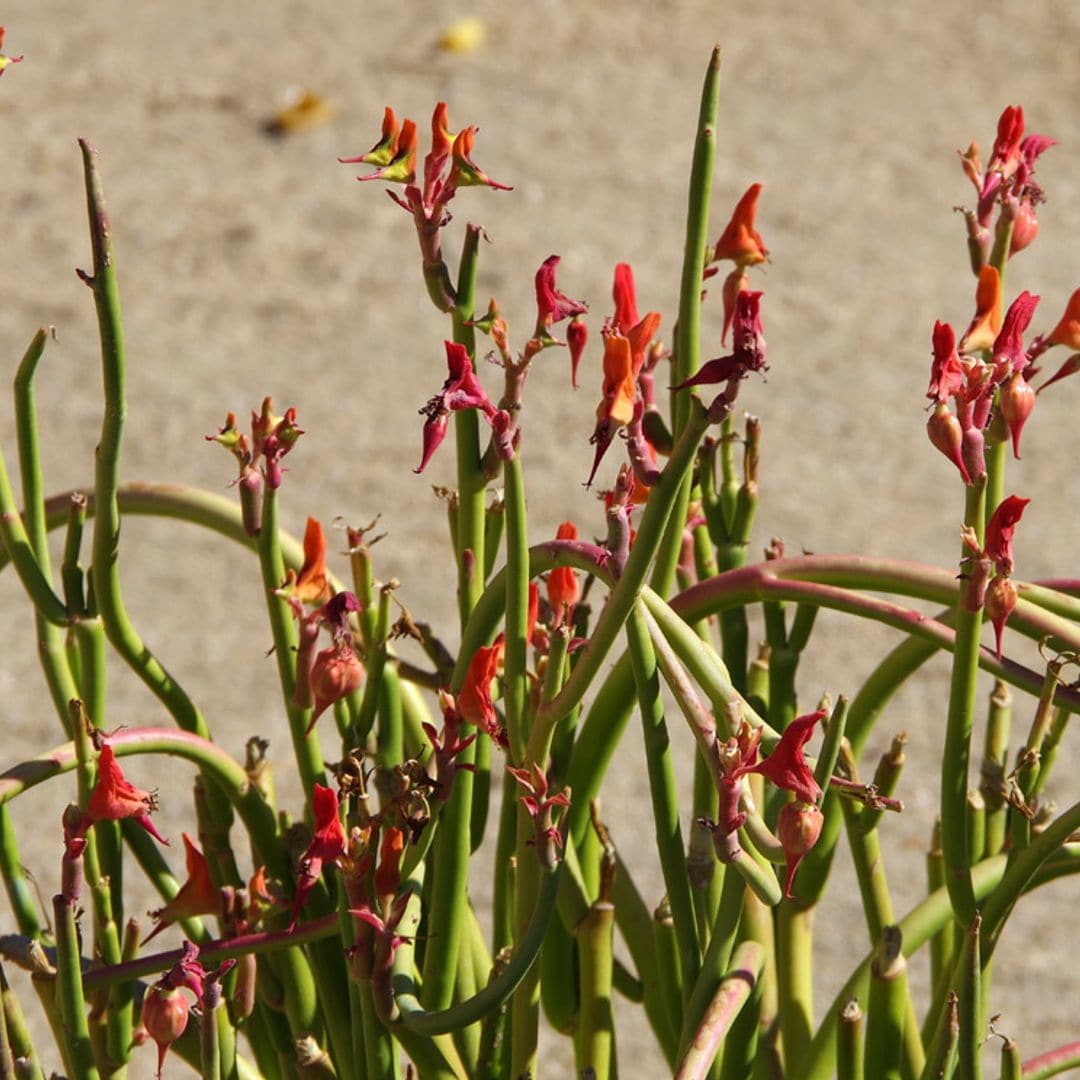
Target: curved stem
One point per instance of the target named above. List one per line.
(213, 761)
(422, 1022)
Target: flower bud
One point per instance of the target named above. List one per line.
(946, 434)
(1016, 402)
(797, 828)
(1025, 227)
(165, 1016)
(1000, 599)
(577, 336)
(335, 674)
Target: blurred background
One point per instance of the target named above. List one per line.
(253, 264)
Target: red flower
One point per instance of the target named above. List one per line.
(465, 172)
(1008, 349)
(749, 346)
(999, 532)
(946, 371)
(625, 296)
(740, 241)
(115, 798)
(327, 845)
(6, 60)
(474, 702)
(541, 806)
(462, 390)
(786, 766)
(552, 306)
(197, 896)
(563, 587)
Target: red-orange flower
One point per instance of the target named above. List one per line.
(327, 845)
(563, 587)
(6, 60)
(797, 828)
(999, 532)
(619, 392)
(1067, 331)
(312, 584)
(474, 702)
(740, 241)
(989, 308)
(388, 874)
(114, 797)
(197, 896)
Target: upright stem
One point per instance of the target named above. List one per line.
(688, 331)
(664, 793)
(961, 714)
(450, 878)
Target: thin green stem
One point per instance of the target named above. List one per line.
(595, 1039)
(956, 756)
(515, 684)
(70, 991)
(664, 792)
(283, 629)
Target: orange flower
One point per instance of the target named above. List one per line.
(311, 585)
(616, 408)
(114, 797)
(388, 875)
(563, 587)
(1067, 331)
(327, 845)
(740, 241)
(986, 325)
(197, 896)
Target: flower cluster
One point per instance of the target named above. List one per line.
(1006, 187)
(259, 458)
(990, 566)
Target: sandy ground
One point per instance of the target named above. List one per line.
(252, 266)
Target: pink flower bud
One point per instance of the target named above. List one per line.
(165, 1016)
(1000, 600)
(946, 434)
(1025, 227)
(1016, 402)
(335, 674)
(797, 828)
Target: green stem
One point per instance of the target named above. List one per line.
(687, 358)
(920, 924)
(105, 570)
(887, 1007)
(1053, 1062)
(795, 970)
(595, 1039)
(423, 1022)
(69, 987)
(272, 563)
(515, 683)
(731, 995)
(970, 1005)
(664, 792)
(850, 1043)
(954, 772)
